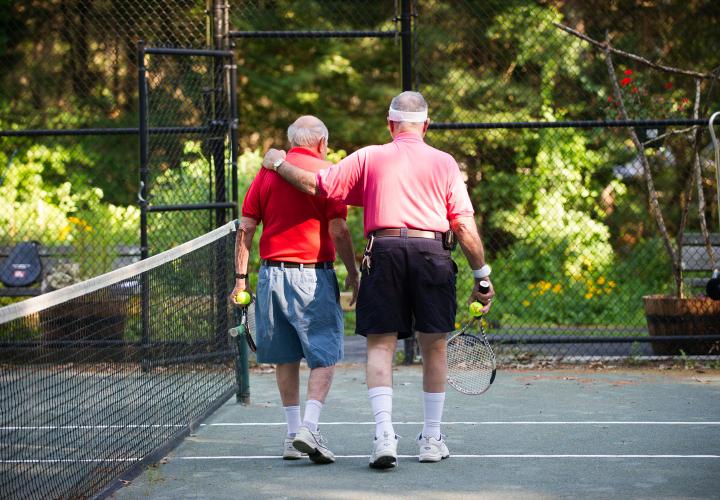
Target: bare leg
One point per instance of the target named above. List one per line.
(287, 376)
(380, 355)
(434, 353)
(319, 383)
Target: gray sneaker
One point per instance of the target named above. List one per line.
(314, 445)
(431, 449)
(289, 451)
(384, 455)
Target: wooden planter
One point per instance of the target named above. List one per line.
(85, 319)
(691, 316)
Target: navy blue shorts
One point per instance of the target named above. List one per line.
(410, 287)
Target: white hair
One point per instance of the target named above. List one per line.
(409, 101)
(307, 136)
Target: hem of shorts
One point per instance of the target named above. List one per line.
(278, 361)
(400, 335)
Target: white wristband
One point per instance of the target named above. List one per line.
(483, 272)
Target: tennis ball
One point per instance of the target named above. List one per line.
(243, 298)
(476, 309)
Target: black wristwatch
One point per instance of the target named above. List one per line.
(240, 276)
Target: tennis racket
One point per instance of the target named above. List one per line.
(471, 360)
(246, 324)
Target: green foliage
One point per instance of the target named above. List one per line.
(47, 197)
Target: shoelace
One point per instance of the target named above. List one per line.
(320, 439)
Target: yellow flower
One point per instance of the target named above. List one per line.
(588, 296)
(525, 303)
(531, 286)
(64, 232)
(557, 288)
(601, 280)
(611, 284)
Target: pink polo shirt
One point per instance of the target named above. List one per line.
(405, 183)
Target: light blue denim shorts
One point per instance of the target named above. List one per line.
(298, 315)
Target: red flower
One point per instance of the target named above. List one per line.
(635, 90)
(668, 85)
(628, 72)
(685, 100)
(610, 99)
(625, 81)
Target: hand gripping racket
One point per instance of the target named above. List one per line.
(471, 360)
(246, 324)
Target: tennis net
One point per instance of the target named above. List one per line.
(103, 377)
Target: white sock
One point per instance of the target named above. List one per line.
(381, 402)
(292, 416)
(433, 403)
(312, 414)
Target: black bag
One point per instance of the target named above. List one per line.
(22, 267)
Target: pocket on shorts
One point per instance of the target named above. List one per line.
(307, 282)
(436, 268)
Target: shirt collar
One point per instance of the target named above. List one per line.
(408, 137)
(305, 151)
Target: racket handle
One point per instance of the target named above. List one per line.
(483, 286)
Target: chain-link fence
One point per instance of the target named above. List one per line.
(517, 95)
(528, 110)
(71, 137)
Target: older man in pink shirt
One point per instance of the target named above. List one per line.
(414, 197)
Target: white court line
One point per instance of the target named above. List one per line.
(276, 424)
(277, 457)
(56, 427)
(519, 422)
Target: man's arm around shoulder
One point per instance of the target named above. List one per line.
(301, 179)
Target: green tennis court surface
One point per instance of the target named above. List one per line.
(551, 434)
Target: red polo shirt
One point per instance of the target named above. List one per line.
(295, 225)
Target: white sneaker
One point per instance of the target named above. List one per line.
(384, 455)
(289, 451)
(431, 449)
(314, 445)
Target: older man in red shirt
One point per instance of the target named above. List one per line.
(412, 194)
(298, 313)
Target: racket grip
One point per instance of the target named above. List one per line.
(483, 286)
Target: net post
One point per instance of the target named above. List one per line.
(242, 365)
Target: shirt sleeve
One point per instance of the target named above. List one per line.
(458, 199)
(345, 180)
(251, 204)
(336, 210)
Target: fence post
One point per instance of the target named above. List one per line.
(143, 199)
(406, 48)
(407, 84)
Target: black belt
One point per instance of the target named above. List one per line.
(297, 265)
(407, 233)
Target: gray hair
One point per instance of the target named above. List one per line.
(307, 131)
(409, 101)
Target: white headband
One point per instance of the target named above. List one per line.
(407, 116)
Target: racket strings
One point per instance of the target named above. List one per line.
(471, 364)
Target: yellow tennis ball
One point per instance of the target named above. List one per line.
(243, 298)
(476, 309)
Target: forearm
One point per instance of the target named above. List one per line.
(301, 179)
(467, 234)
(243, 244)
(343, 244)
